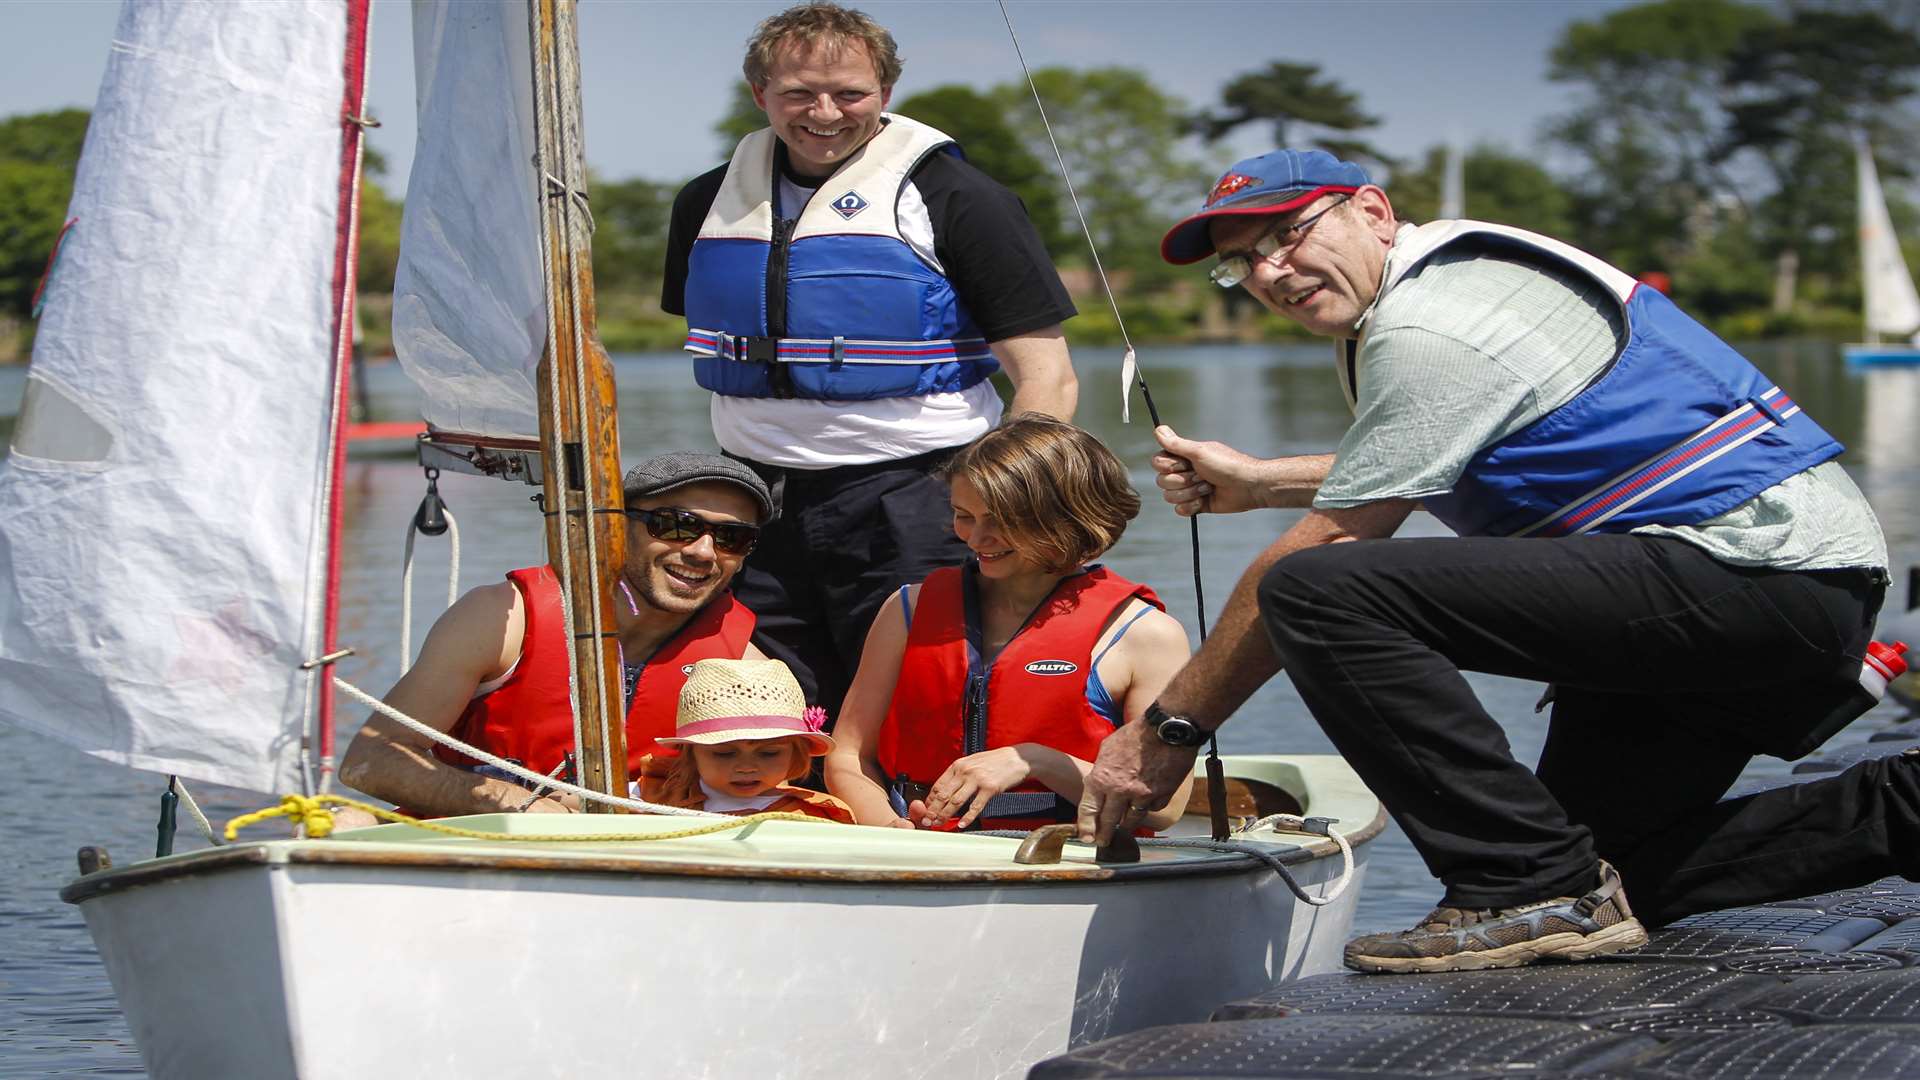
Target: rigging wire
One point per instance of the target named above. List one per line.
(1130, 374)
(572, 159)
(431, 519)
(557, 152)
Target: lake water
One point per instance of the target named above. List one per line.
(58, 1016)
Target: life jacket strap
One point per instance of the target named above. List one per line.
(1726, 434)
(835, 351)
(1029, 804)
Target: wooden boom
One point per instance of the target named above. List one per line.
(579, 431)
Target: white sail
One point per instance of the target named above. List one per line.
(469, 303)
(162, 509)
(1893, 308)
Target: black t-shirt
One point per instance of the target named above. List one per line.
(990, 250)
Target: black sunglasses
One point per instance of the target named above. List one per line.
(678, 526)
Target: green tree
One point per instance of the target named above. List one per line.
(49, 138)
(1120, 137)
(1800, 88)
(1500, 187)
(742, 119)
(630, 233)
(1292, 97)
(38, 155)
(1648, 132)
(379, 237)
(979, 125)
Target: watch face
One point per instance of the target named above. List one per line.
(1179, 731)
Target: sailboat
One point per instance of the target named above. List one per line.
(165, 604)
(1893, 307)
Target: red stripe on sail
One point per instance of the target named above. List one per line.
(346, 260)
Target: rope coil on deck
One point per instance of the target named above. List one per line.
(312, 812)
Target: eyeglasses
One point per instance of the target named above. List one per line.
(677, 526)
(1235, 269)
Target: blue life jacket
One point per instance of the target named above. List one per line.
(1679, 428)
(835, 305)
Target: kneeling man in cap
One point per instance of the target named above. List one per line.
(494, 670)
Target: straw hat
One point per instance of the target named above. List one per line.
(725, 700)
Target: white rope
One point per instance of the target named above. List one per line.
(1129, 364)
(533, 779)
(199, 817)
(1296, 823)
(406, 584)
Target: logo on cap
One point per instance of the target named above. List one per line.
(1228, 185)
(849, 204)
(1052, 667)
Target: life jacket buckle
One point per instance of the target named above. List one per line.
(765, 351)
(1768, 411)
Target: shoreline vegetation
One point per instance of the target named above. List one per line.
(1707, 148)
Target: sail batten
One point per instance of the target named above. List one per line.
(158, 519)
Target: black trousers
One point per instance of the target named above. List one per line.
(1671, 671)
(845, 539)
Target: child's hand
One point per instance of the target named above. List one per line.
(968, 785)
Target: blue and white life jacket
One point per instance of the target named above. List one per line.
(1678, 429)
(836, 305)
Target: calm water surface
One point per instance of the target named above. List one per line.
(57, 1012)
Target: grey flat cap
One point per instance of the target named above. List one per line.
(682, 467)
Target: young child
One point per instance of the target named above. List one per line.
(743, 731)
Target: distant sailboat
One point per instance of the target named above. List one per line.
(1893, 307)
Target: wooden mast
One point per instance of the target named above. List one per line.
(579, 435)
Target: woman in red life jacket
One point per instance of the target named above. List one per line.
(743, 730)
(984, 691)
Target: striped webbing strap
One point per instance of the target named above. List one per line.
(1726, 434)
(837, 350)
(1026, 804)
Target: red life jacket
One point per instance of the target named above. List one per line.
(947, 704)
(528, 718)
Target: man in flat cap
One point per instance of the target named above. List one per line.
(494, 669)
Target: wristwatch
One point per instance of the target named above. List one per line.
(1174, 730)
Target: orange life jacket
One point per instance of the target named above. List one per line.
(529, 719)
(948, 704)
(653, 788)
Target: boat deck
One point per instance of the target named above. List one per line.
(776, 850)
(1826, 986)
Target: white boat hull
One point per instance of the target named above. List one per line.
(313, 972)
(320, 959)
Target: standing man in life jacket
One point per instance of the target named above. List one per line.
(1646, 523)
(494, 670)
(849, 284)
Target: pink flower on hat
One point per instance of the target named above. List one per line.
(815, 718)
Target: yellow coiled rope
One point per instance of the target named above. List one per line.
(312, 813)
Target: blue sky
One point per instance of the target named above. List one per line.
(657, 73)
